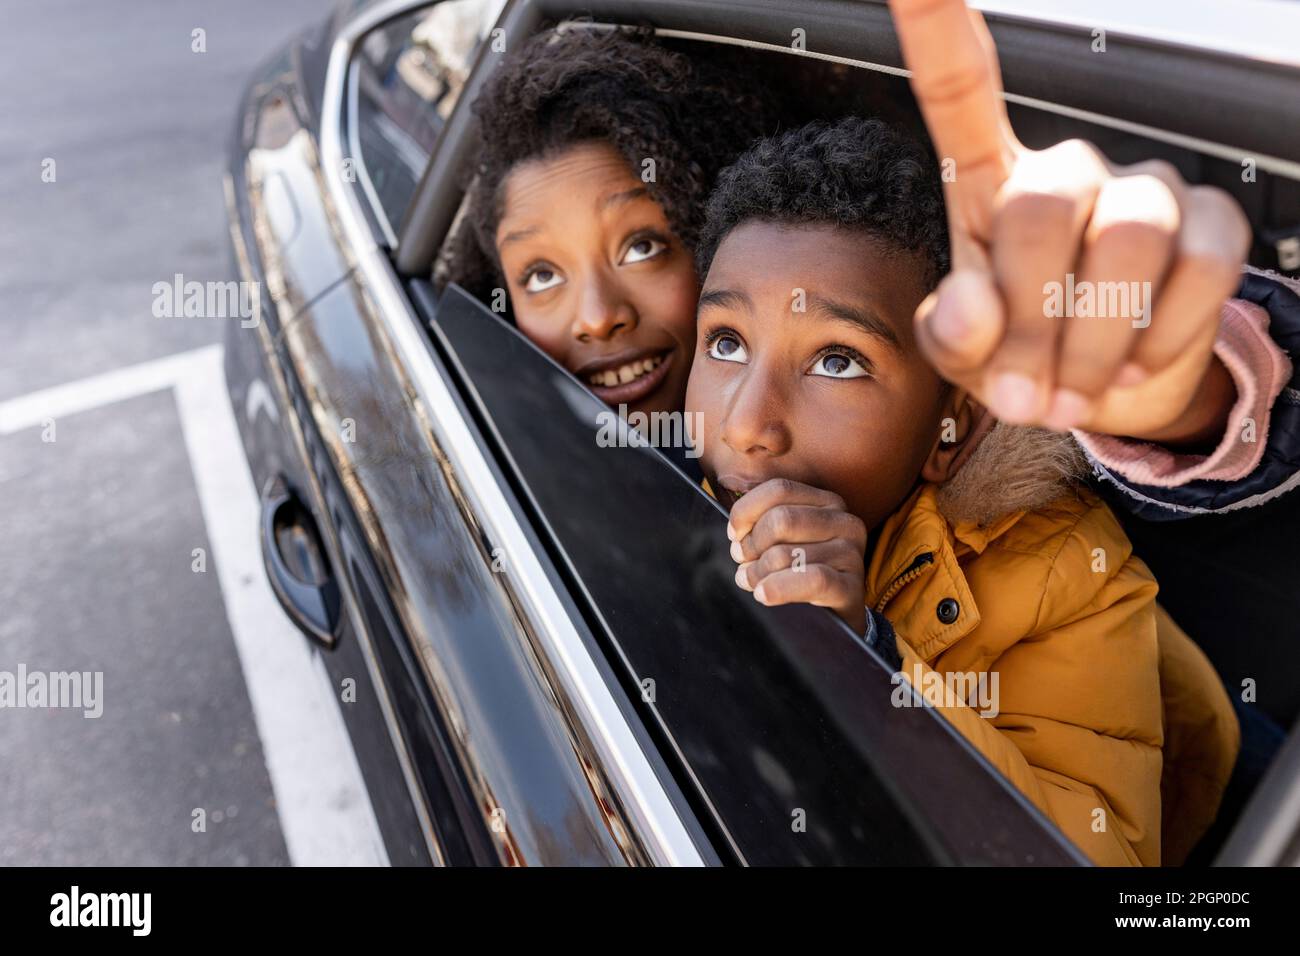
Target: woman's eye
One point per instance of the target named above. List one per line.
(727, 348)
(539, 280)
(838, 365)
(643, 249)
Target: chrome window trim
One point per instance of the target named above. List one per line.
(666, 836)
(363, 172)
(353, 134)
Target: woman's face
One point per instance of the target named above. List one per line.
(596, 277)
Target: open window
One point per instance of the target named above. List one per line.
(406, 79)
(779, 720)
(773, 713)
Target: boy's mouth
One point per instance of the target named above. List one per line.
(733, 487)
(625, 379)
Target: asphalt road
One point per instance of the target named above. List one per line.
(107, 491)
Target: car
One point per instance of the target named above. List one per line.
(533, 671)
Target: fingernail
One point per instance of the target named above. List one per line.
(737, 552)
(1131, 374)
(741, 579)
(1014, 397)
(731, 532)
(759, 596)
(1069, 409)
(948, 323)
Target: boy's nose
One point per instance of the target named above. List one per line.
(754, 423)
(603, 310)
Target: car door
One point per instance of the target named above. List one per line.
(1119, 75)
(487, 731)
(465, 643)
(794, 740)
(757, 725)
(764, 744)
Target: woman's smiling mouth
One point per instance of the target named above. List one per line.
(627, 379)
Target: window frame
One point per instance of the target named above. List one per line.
(662, 822)
(860, 33)
(862, 28)
(385, 14)
(997, 824)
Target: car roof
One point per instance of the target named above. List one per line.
(1255, 29)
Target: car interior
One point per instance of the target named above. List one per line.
(811, 87)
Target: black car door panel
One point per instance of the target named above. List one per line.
(781, 718)
(477, 709)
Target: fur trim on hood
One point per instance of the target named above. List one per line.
(1014, 468)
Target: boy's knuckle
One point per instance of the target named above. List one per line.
(780, 521)
(1037, 216)
(1216, 268)
(775, 558)
(783, 487)
(1075, 154)
(821, 577)
(1218, 203)
(1141, 232)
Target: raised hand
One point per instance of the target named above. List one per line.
(1026, 225)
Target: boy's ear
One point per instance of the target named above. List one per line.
(963, 423)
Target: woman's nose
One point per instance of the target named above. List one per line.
(603, 310)
(755, 422)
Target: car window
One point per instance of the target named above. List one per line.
(407, 77)
(779, 719)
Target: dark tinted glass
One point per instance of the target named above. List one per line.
(780, 719)
(409, 75)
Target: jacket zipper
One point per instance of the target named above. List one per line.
(911, 573)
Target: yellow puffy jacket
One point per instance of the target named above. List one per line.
(1106, 712)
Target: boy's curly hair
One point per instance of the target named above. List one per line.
(856, 173)
(577, 84)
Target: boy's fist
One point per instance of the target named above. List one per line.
(1046, 245)
(797, 544)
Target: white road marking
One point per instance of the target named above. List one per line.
(324, 807)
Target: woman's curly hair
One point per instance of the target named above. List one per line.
(578, 84)
(860, 174)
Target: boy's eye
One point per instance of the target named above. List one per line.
(541, 279)
(726, 348)
(839, 364)
(647, 247)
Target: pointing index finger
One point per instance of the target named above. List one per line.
(958, 84)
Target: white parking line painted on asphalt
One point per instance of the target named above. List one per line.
(321, 798)
(32, 409)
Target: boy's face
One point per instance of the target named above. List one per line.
(597, 279)
(837, 395)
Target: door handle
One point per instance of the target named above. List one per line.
(297, 566)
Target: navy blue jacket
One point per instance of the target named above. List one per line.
(1227, 554)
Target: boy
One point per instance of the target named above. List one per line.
(860, 481)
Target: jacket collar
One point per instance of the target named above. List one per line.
(916, 568)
